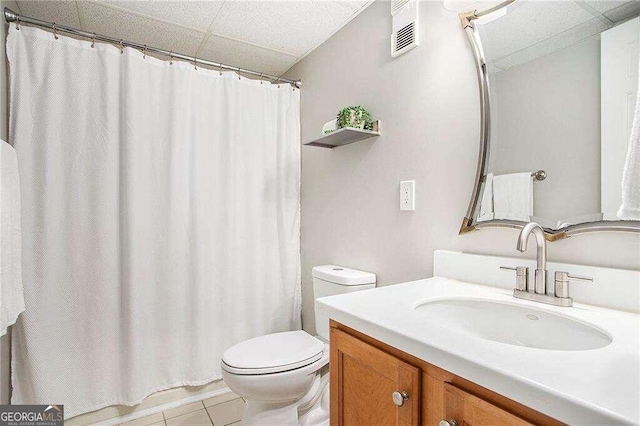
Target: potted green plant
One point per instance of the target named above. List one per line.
(355, 117)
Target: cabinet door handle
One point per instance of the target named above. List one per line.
(448, 422)
(400, 397)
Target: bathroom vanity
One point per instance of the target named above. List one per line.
(445, 351)
(375, 383)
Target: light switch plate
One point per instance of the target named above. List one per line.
(408, 195)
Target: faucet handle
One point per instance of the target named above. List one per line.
(565, 276)
(522, 276)
(562, 282)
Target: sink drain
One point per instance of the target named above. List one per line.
(532, 317)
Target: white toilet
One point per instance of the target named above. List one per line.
(284, 377)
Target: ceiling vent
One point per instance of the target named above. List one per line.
(404, 14)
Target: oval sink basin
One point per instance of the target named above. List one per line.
(513, 324)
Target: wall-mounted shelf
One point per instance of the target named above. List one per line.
(345, 136)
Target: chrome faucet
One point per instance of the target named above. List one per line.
(540, 280)
(540, 292)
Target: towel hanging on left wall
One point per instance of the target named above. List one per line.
(11, 291)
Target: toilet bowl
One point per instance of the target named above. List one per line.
(284, 377)
(277, 375)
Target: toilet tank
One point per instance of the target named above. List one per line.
(329, 280)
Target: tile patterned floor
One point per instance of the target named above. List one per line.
(223, 410)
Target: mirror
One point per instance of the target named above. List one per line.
(558, 99)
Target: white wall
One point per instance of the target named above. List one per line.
(561, 92)
(428, 103)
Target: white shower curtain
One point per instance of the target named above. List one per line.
(161, 219)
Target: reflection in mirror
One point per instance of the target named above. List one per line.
(563, 83)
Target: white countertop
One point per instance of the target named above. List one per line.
(600, 386)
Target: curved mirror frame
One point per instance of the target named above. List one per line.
(468, 223)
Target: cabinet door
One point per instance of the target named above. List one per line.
(469, 410)
(363, 380)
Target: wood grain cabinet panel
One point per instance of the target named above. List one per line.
(469, 410)
(363, 379)
(365, 372)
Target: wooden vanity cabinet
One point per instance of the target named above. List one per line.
(472, 410)
(365, 373)
(363, 382)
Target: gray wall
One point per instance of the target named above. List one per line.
(5, 346)
(427, 100)
(562, 92)
(4, 340)
(4, 117)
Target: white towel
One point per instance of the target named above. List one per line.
(11, 295)
(630, 208)
(513, 196)
(486, 204)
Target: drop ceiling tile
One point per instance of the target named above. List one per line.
(193, 14)
(247, 56)
(355, 4)
(530, 23)
(60, 12)
(626, 11)
(568, 38)
(293, 27)
(493, 68)
(603, 6)
(119, 24)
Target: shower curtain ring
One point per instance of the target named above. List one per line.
(93, 40)
(278, 81)
(144, 52)
(55, 31)
(18, 22)
(171, 57)
(239, 70)
(220, 68)
(195, 63)
(121, 47)
(261, 82)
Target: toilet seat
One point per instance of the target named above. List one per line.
(273, 353)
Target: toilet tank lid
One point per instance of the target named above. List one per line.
(343, 276)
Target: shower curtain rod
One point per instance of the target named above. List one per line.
(11, 16)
